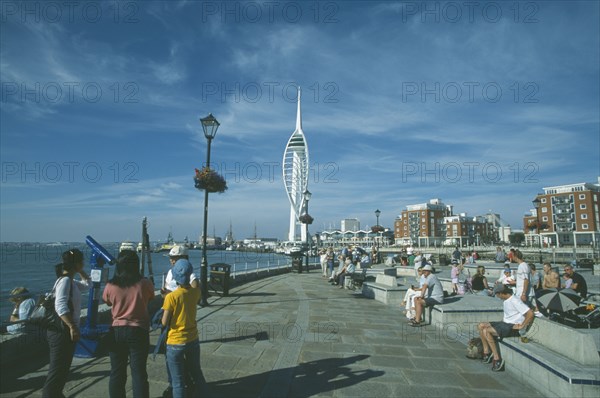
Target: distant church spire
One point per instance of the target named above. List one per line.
(299, 114)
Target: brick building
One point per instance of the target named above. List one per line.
(565, 215)
(422, 224)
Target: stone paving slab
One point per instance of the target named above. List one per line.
(294, 335)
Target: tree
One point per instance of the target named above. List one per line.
(516, 238)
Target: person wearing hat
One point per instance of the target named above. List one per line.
(432, 293)
(183, 345)
(517, 316)
(128, 293)
(177, 252)
(24, 305)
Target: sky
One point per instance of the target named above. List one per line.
(480, 104)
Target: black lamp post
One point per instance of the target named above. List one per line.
(307, 195)
(210, 125)
(536, 203)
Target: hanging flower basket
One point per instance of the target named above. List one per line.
(377, 228)
(210, 181)
(306, 219)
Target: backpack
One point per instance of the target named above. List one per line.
(475, 348)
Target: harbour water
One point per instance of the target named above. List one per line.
(32, 265)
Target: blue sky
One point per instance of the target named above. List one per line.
(480, 106)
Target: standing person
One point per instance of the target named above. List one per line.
(67, 305)
(129, 294)
(183, 345)
(523, 276)
(551, 277)
(330, 261)
(176, 253)
(24, 305)
(456, 254)
(500, 255)
(454, 276)
(323, 261)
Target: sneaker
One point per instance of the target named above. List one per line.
(498, 366)
(487, 358)
(538, 314)
(524, 339)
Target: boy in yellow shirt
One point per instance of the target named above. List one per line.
(183, 344)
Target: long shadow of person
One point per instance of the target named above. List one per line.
(304, 380)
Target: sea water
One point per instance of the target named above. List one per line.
(32, 265)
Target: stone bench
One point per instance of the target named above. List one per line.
(466, 311)
(385, 289)
(566, 359)
(559, 361)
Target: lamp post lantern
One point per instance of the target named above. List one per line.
(307, 195)
(536, 204)
(210, 125)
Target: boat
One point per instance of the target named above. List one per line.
(127, 245)
(167, 246)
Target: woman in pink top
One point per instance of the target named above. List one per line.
(128, 294)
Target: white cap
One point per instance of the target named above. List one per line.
(178, 250)
(427, 268)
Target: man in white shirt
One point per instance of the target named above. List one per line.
(523, 277)
(517, 316)
(432, 293)
(177, 252)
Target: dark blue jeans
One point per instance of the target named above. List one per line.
(133, 343)
(61, 357)
(182, 358)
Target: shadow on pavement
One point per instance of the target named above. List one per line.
(307, 379)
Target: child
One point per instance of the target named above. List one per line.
(568, 282)
(183, 345)
(454, 275)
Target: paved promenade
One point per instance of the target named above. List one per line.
(297, 336)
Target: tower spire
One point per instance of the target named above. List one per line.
(299, 114)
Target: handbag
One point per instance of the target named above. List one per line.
(44, 314)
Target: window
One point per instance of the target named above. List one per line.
(544, 210)
(405, 228)
(581, 196)
(544, 219)
(584, 216)
(582, 206)
(584, 226)
(543, 200)
(422, 213)
(423, 227)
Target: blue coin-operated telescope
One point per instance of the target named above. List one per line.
(91, 332)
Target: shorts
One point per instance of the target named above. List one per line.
(504, 329)
(454, 280)
(429, 302)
